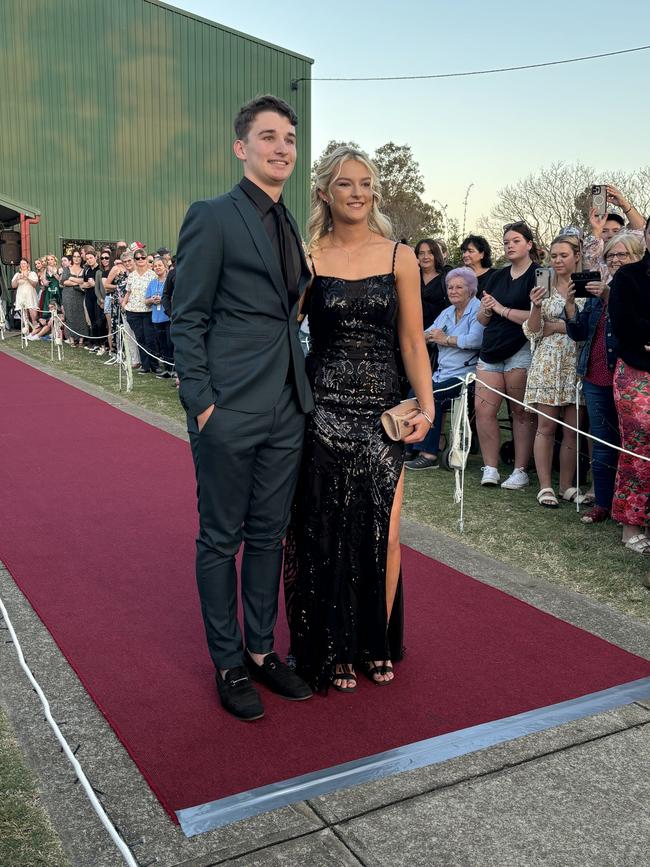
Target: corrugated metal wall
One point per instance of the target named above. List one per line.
(118, 113)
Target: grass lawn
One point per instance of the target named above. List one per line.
(508, 525)
(27, 838)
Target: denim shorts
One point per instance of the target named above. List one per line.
(520, 359)
(108, 301)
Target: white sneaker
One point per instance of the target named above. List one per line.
(101, 351)
(517, 479)
(490, 476)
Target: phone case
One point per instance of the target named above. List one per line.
(599, 199)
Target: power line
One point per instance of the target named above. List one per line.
(295, 81)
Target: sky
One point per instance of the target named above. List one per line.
(489, 130)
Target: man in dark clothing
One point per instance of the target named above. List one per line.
(241, 271)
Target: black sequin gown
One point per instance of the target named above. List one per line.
(335, 555)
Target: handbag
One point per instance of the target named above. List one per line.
(395, 420)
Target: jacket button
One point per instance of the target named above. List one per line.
(609, 349)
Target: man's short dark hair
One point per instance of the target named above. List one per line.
(248, 112)
(616, 218)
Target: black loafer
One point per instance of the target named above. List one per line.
(238, 695)
(278, 677)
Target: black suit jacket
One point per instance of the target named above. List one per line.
(234, 335)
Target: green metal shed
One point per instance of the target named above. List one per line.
(118, 113)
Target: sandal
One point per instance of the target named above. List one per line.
(573, 495)
(372, 671)
(595, 515)
(344, 674)
(546, 497)
(588, 499)
(639, 543)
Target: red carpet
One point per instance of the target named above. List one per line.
(114, 497)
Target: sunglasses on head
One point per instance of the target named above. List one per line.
(519, 224)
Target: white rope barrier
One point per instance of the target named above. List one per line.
(559, 421)
(81, 776)
(459, 436)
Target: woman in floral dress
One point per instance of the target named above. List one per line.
(629, 310)
(552, 377)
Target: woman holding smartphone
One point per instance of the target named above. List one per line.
(552, 377)
(591, 327)
(505, 356)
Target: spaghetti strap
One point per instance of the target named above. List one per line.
(394, 257)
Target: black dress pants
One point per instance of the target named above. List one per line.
(143, 331)
(246, 469)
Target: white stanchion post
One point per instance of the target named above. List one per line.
(57, 334)
(126, 361)
(24, 328)
(3, 321)
(578, 387)
(461, 522)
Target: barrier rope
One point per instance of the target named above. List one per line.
(79, 772)
(559, 421)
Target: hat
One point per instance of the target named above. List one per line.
(136, 245)
(571, 230)
(163, 251)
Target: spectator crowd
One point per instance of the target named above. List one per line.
(531, 331)
(94, 293)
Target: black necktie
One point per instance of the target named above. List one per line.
(283, 241)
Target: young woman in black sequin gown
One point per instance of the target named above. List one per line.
(343, 586)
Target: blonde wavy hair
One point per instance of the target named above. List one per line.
(327, 172)
(632, 243)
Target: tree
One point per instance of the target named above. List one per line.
(402, 186)
(559, 195)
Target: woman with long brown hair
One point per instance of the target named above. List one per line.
(553, 374)
(505, 356)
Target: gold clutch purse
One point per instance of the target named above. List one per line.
(395, 421)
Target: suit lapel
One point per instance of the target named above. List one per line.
(305, 272)
(261, 240)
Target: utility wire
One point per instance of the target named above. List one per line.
(294, 83)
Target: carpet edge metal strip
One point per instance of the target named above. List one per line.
(432, 751)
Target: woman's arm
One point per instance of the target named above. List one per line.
(474, 337)
(109, 286)
(411, 339)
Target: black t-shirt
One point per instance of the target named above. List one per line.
(89, 273)
(483, 281)
(434, 298)
(502, 337)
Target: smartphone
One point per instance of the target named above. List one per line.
(580, 280)
(543, 280)
(599, 199)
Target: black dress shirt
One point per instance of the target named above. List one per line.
(281, 235)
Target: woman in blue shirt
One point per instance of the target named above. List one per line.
(458, 335)
(159, 319)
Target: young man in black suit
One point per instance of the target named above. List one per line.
(240, 272)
